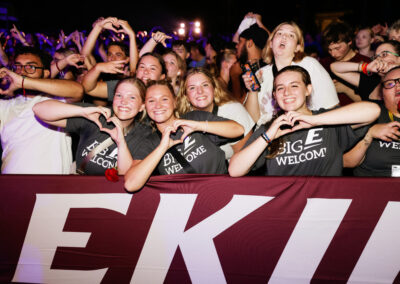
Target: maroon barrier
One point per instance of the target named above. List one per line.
(199, 228)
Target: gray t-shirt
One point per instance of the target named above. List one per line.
(316, 151)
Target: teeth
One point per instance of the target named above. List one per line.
(288, 100)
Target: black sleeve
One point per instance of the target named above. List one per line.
(367, 84)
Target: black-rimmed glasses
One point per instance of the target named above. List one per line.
(29, 69)
(389, 84)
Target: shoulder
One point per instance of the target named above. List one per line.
(309, 61)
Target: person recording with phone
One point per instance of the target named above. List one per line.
(285, 47)
(251, 42)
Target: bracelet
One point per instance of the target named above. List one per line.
(205, 131)
(58, 68)
(364, 69)
(22, 85)
(265, 137)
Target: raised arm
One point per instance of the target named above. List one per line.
(61, 88)
(156, 38)
(3, 55)
(71, 60)
(91, 83)
(98, 27)
(133, 50)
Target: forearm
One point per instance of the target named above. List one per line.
(55, 112)
(90, 42)
(228, 128)
(124, 157)
(356, 155)
(3, 57)
(139, 173)
(133, 53)
(55, 87)
(348, 71)
(148, 46)
(91, 84)
(252, 106)
(355, 113)
(242, 161)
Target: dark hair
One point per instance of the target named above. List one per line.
(180, 42)
(158, 57)
(277, 144)
(391, 70)
(337, 32)
(121, 44)
(198, 46)
(305, 76)
(44, 57)
(394, 43)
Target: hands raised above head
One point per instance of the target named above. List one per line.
(160, 37)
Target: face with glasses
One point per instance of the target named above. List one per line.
(391, 90)
(30, 65)
(387, 53)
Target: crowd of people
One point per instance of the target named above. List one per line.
(263, 102)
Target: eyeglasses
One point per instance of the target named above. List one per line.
(389, 84)
(384, 53)
(29, 69)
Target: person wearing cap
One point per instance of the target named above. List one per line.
(249, 49)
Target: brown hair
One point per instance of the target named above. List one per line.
(139, 85)
(220, 96)
(267, 53)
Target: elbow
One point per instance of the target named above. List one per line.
(131, 186)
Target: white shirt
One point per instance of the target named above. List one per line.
(237, 112)
(323, 95)
(29, 145)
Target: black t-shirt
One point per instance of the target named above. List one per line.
(312, 152)
(199, 149)
(380, 155)
(90, 136)
(367, 84)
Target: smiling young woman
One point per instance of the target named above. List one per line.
(115, 134)
(180, 145)
(299, 141)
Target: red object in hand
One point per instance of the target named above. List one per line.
(112, 175)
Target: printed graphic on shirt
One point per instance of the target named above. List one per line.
(102, 159)
(191, 151)
(389, 145)
(301, 151)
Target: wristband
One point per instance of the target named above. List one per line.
(22, 85)
(265, 137)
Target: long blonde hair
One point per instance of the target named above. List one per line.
(267, 53)
(220, 96)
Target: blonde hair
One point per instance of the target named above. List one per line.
(267, 53)
(220, 96)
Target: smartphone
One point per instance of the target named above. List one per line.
(255, 84)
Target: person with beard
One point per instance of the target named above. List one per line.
(29, 145)
(285, 46)
(248, 50)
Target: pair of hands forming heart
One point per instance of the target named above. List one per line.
(186, 127)
(290, 122)
(94, 113)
